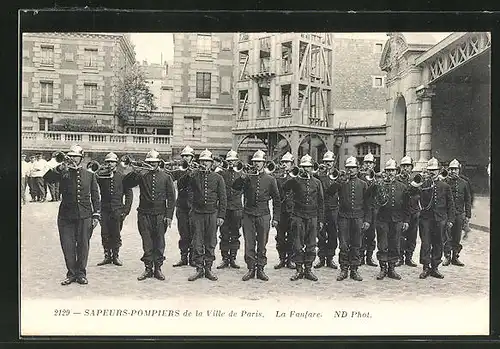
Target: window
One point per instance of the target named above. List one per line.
(365, 148)
(243, 104)
(44, 123)
(378, 81)
(192, 127)
(163, 131)
(225, 84)
(243, 62)
(203, 85)
(378, 47)
(204, 45)
(68, 91)
(90, 56)
(46, 91)
(286, 95)
(90, 94)
(47, 55)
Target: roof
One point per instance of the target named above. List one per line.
(358, 118)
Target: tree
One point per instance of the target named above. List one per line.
(134, 96)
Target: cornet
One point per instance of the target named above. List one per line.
(63, 157)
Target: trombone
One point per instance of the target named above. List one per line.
(62, 157)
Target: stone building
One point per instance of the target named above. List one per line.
(438, 100)
(202, 91)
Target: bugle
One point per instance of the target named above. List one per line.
(62, 157)
(93, 166)
(317, 168)
(299, 172)
(443, 174)
(127, 160)
(238, 166)
(417, 180)
(270, 167)
(101, 171)
(334, 174)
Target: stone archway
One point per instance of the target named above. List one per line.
(249, 145)
(313, 145)
(399, 129)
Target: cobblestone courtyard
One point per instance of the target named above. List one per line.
(42, 269)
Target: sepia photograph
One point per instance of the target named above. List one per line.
(255, 183)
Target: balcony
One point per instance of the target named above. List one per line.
(95, 142)
(163, 119)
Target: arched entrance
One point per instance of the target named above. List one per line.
(313, 145)
(274, 145)
(248, 146)
(399, 129)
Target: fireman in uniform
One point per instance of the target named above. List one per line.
(284, 240)
(354, 216)
(409, 236)
(328, 236)
(463, 202)
(438, 213)
(79, 213)
(258, 188)
(155, 212)
(113, 210)
(230, 229)
(393, 217)
(307, 216)
(183, 208)
(368, 238)
(209, 211)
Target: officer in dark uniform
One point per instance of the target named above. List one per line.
(230, 229)
(391, 196)
(284, 238)
(113, 210)
(183, 209)
(438, 212)
(368, 238)
(258, 187)
(409, 236)
(463, 202)
(307, 216)
(354, 216)
(155, 211)
(79, 214)
(209, 211)
(328, 236)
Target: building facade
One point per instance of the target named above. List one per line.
(438, 100)
(71, 77)
(202, 104)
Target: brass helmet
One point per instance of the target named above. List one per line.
(206, 155)
(351, 161)
(111, 157)
(406, 160)
(187, 151)
(232, 155)
(329, 156)
(454, 164)
(306, 160)
(369, 158)
(259, 156)
(433, 164)
(153, 156)
(75, 150)
(287, 157)
(390, 165)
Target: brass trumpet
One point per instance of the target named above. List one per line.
(248, 169)
(128, 161)
(270, 167)
(317, 168)
(299, 172)
(192, 166)
(62, 157)
(101, 171)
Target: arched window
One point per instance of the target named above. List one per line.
(364, 148)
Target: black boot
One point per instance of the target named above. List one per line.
(191, 259)
(447, 260)
(200, 272)
(232, 259)
(369, 260)
(391, 273)
(308, 274)
(435, 273)
(158, 274)
(107, 258)
(148, 272)
(362, 258)
(344, 273)
(182, 262)
(330, 263)
(282, 262)
(208, 272)
(409, 260)
(456, 261)
(355, 275)
(321, 263)
(299, 274)
(383, 271)
(249, 275)
(225, 260)
(261, 275)
(116, 257)
(425, 273)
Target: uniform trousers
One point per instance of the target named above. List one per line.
(152, 228)
(185, 230)
(256, 235)
(204, 227)
(328, 236)
(305, 233)
(388, 239)
(454, 236)
(409, 237)
(111, 226)
(350, 241)
(432, 235)
(284, 236)
(74, 235)
(368, 243)
(23, 189)
(54, 190)
(230, 231)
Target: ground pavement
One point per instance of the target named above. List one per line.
(42, 269)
